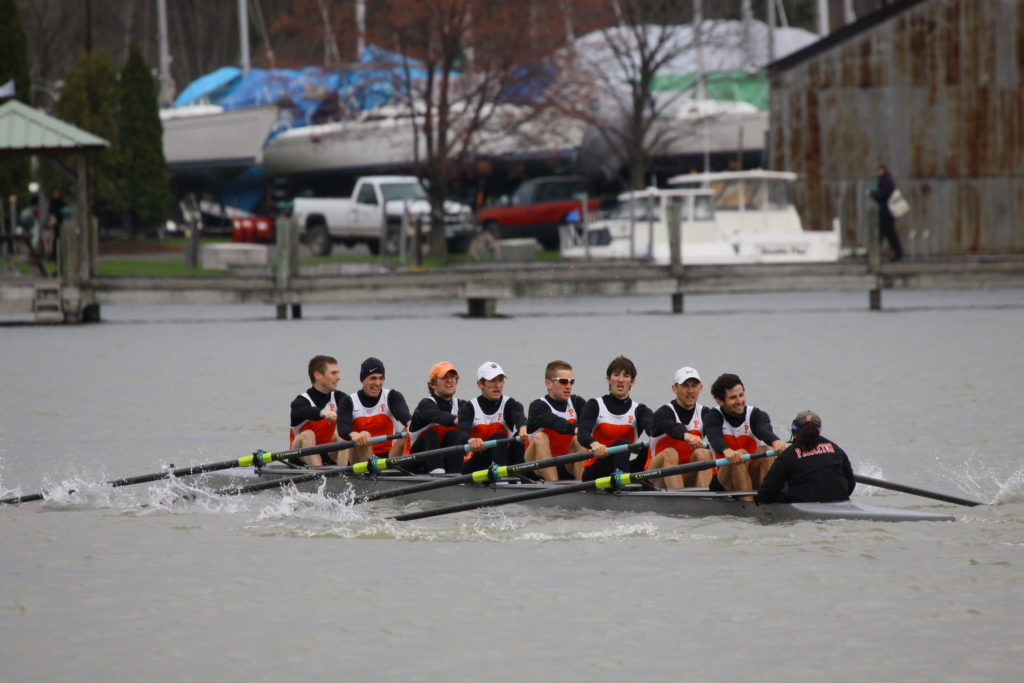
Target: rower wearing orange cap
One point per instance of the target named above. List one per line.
(435, 421)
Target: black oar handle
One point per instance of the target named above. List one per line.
(882, 484)
(610, 483)
(259, 458)
(492, 474)
(371, 466)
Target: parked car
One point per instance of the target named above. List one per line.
(537, 208)
(376, 200)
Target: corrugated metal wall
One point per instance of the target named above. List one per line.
(935, 92)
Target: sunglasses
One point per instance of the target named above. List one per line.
(564, 381)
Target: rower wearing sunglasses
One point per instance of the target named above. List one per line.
(551, 423)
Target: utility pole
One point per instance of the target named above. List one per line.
(166, 82)
(243, 37)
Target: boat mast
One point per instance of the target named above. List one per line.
(166, 82)
(243, 37)
(698, 36)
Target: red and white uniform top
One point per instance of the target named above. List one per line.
(377, 420)
(323, 429)
(611, 428)
(739, 437)
(439, 429)
(559, 442)
(682, 447)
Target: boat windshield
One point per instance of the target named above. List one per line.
(403, 191)
(751, 195)
(637, 209)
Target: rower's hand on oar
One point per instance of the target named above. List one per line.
(360, 438)
(599, 449)
(329, 415)
(476, 445)
(694, 440)
(522, 434)
(734, 457)
(778, 446)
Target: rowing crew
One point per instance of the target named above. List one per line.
(560, 422)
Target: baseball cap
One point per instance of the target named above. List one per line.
(489, 370)
(683, 374)
(370, 366)
(805, 416)
(440, 370)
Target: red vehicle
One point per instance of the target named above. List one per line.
(537, 208)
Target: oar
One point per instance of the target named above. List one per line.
(495, 473)
(259, 458)
(371, 466)
(610, 483)
(882, 484)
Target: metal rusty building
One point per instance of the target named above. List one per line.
(933, 89)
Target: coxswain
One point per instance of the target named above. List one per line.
(491, 415)
(435, 422)
(678, 435)
(614, 419)
(811, 470)
(377, 411)
(552, 423)
(314, 413)
(733, 429)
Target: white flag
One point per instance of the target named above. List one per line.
(7, 90)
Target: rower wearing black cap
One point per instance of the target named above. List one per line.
(811, 470)
(377, 411)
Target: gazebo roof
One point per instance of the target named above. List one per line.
(27, 130)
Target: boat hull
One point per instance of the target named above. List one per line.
(681, 503)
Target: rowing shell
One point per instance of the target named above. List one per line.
(678, 502)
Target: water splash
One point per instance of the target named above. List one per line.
(979, 479)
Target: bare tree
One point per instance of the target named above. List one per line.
(468, 55)
(607, 77)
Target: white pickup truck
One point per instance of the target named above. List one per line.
(377, 207)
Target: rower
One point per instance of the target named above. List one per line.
(314, 413)
(551, 423)
(812, 470)
(491, 415)
(679, 433)
(377, 411)
(733, 430)
(435, 421)
(613, 420)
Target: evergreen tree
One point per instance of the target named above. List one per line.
(89, 100)
(14, 171)
(143, 171)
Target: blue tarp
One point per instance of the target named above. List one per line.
(340, 93)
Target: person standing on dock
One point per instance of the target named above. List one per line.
(886, 221)
(377, 411)
(314, 413)
(552, 423)
(491, 415)
(733, 430)
(812, 470)
(435, 422)
(612, 420)
(678, 435)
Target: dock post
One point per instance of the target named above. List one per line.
(482, 307)
(286, 238)
(675, 250)
(874, 262)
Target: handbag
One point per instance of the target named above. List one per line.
(898, 204)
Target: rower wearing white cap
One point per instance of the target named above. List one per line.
(491, 415)
(679, 432)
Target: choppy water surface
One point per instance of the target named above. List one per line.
(120, 584)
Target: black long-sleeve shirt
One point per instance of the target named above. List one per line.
(616, 406)
(513, 418)
(434, 410)
(396, 404)
(820, 474)
(542, 417)
(760, 427)
(665, 420)
(301, 411)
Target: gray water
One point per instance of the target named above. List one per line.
(131, 583)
